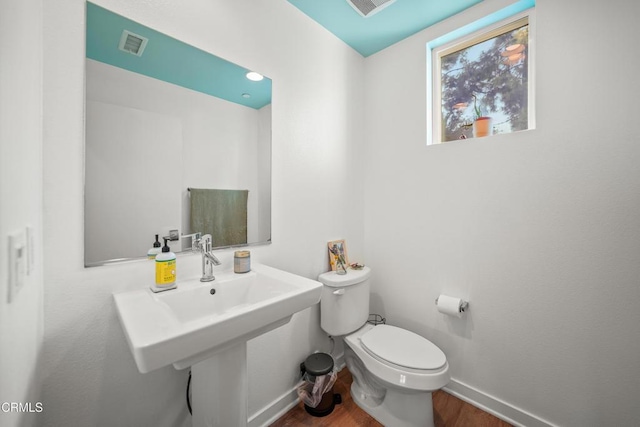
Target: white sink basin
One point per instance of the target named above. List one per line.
(189, 324)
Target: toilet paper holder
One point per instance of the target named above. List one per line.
(463, 306)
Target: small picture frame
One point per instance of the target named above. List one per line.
(337, 248)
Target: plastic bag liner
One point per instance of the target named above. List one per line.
(311, 392)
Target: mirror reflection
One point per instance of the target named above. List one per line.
(177, 141)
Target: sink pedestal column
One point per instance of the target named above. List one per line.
(219, 389)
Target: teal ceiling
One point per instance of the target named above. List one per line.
(171, 60)
(390, 25)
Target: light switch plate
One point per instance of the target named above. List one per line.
(17, 262)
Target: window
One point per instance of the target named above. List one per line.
(483, 84)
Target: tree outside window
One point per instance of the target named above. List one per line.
(489, 78)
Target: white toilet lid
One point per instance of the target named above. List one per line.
(403, 348)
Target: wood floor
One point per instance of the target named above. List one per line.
(448, 411)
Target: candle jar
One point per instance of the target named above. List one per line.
(241, 262)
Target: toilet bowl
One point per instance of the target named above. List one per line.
(394, 370)
(393, 385)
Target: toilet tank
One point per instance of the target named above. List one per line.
(344, 303)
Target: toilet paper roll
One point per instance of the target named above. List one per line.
(450, 305)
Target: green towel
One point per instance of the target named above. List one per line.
(221, 213)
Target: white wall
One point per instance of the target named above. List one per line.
(133, 180)
(539, 230)
(21, 321)
(89, 375)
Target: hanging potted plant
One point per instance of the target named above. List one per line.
(482, 126)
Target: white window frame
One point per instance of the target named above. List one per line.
(434, 134)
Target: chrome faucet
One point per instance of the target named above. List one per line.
(203, 244)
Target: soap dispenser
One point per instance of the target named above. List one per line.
(165, 269)
(155, 250)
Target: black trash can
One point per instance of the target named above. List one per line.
(316, 365)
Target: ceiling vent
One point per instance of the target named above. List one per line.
(367, 8)
(132, 43)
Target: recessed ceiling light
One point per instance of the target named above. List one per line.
(246, 95)
(253, 76)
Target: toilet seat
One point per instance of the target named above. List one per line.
(392, 374)
(403, 348)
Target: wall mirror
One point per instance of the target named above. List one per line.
(175, 139)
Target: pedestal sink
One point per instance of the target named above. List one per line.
(206, 326)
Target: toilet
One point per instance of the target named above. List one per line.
(394, 370)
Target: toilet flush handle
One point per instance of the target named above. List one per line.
(338, 292)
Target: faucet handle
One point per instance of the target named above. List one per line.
(195, 239)
(206, 242)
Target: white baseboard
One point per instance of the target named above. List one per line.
(494, 406)
(339, 361)
(270, 413)
(503, 410)
(283, 404)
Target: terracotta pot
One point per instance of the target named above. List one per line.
(482, 127)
